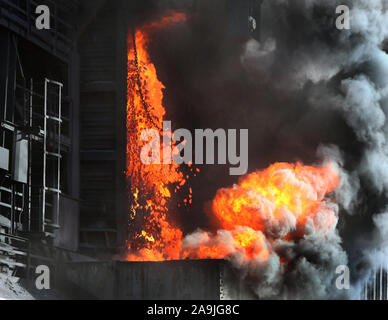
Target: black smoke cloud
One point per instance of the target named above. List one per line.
(307, 91)
(347, 72)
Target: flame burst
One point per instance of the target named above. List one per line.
(278, 203)
(281, 190)
(266, 206)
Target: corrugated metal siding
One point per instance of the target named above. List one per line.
(98, 121)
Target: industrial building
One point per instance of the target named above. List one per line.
(63, 191)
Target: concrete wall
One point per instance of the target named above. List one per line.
(96, 278)
(175, 280)
(169, 280)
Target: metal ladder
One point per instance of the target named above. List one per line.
(51, 117)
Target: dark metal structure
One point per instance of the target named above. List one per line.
(102, 52)
(158, 280)
(376, 287)
(39, 197)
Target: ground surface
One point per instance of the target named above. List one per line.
(10, 290)
(13, 291)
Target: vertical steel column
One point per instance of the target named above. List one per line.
(13, 208)
(382, 282)
(30, 158)
(374, 285)
(28, 262)
(59, 151)
(43, 216)
(6, 80)
(386, 282)
(28, 4)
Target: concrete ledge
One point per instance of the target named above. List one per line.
(172, 280)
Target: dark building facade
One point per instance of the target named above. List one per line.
(39, 184)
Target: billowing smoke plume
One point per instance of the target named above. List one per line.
(307, 92)
(312, 83)
(302, 53)
(278, 230)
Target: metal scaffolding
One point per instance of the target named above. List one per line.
(30, 193)
(36, 132)
(32, 144)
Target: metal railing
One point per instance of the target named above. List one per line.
(16, 252)
(54, 154)
(376, 288)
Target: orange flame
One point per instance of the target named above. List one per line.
(282, 187)
(275, 203)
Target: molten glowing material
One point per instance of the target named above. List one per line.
(153, 237)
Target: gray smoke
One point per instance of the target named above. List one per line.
(302, 52)
(304, 87)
